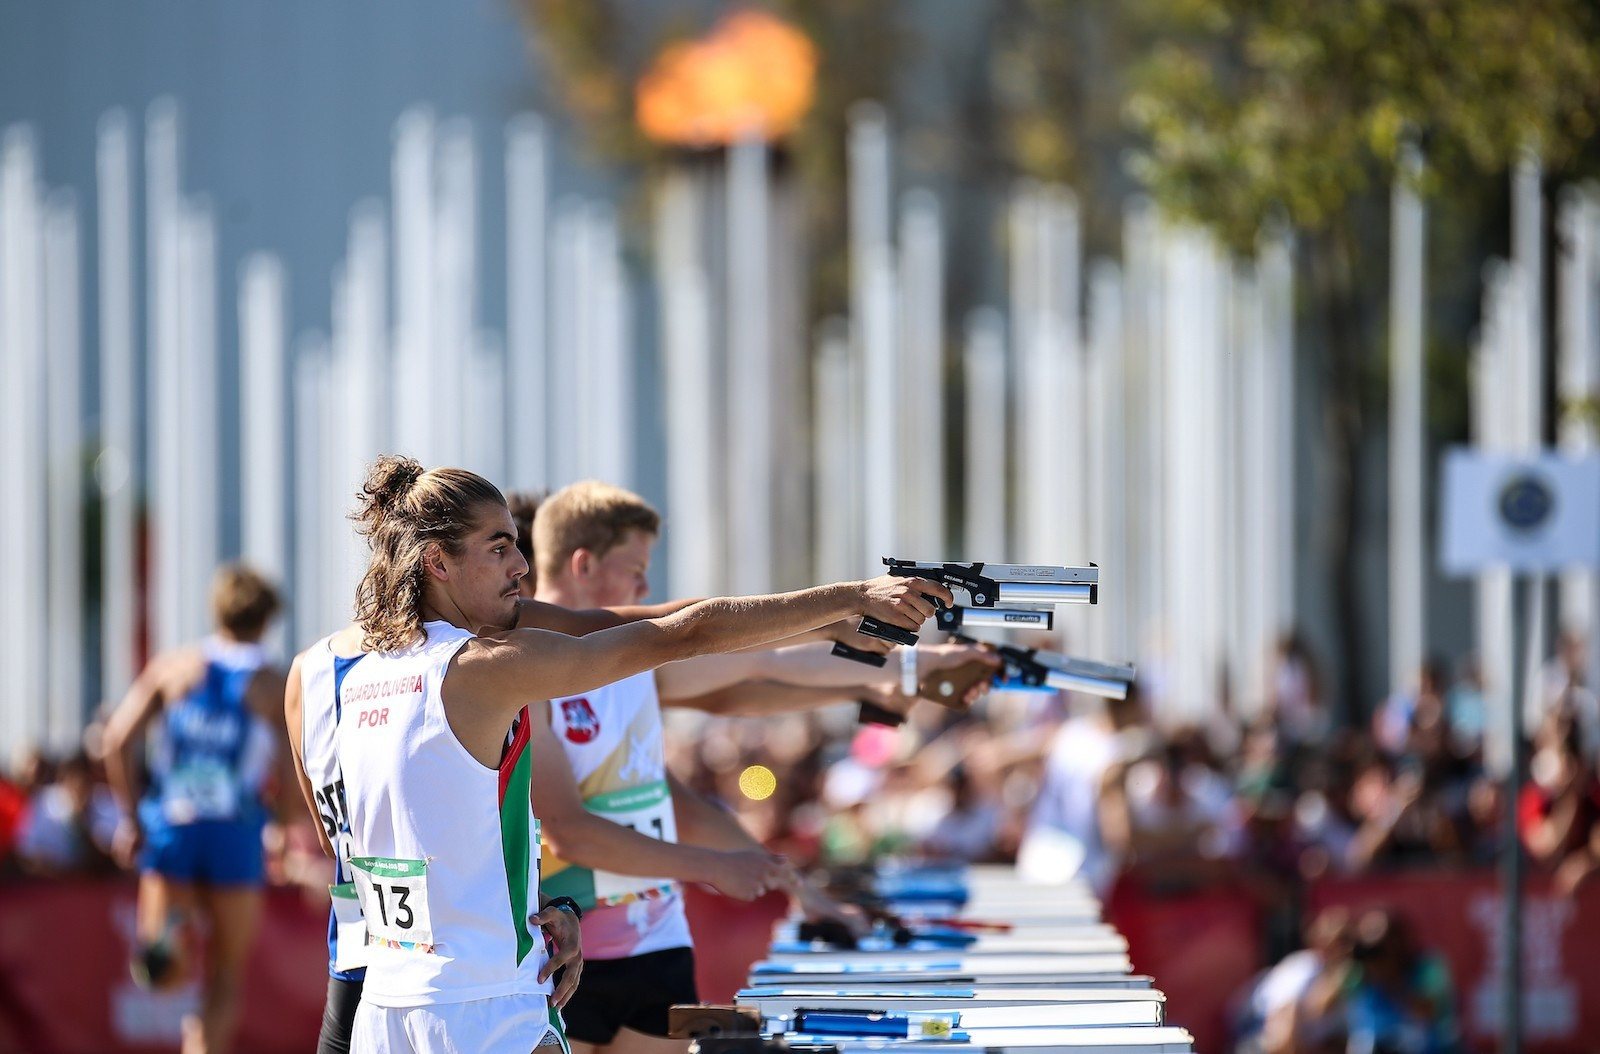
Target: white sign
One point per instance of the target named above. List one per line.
(1538, 513)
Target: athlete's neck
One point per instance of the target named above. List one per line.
(564, 594)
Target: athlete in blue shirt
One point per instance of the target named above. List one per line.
(193, 813)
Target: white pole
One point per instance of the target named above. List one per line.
(416, 413)
(1105, 462)
(312, 528)
(1493, 381)
(164, 438)
(526, 197)
(1188, 287)
(200, 423)
(610, 370)
(1257, 499)
(115, 468)
(486, 424)
(921, 374)
(1578, 379)
(23, 450)
(1024, 225)
(872, 286)
(1407, 427)
(360, 371)
(1238, 562)
(750, 409)
(984, 530)
(1145, 427)
(562, 397)
(1057, 421)
(66, 444)
(693, 532)
(837, 455)
(1275, 270)
(589, 452)
(455, 279)
(1527, 241)
(264, 381)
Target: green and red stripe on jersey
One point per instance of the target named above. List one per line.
(516, 834)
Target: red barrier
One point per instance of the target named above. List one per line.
(65, 986)
(1459, 916)
(1201, 948)
(729, 935)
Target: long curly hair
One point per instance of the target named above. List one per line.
(401, 510)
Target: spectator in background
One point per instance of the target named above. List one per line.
(969, 830)
(1565, 685)
(1063, 833)
(1298, 1006)
(1558, 810)
(70, 824)
(1295, 703)
(1464, 707)
(1399, 999)
(14, 797)
(1395, 716)
(1168, 814)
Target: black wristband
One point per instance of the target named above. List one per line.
(568, 903)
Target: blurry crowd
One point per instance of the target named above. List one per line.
(1060, 783)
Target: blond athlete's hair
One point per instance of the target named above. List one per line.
(589, 515)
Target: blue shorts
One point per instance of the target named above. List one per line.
(210, 852)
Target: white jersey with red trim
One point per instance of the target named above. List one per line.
(444, 850)
(612, 738)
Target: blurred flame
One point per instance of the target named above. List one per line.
(752, 74)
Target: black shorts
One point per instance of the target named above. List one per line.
(338, 1016)
(629, 993)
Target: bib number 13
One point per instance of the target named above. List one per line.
(394, 899)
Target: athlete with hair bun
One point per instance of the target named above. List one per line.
(431, 743)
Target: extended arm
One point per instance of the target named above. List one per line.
(809, 665)
(536, 614)
(493, 676)
(762, 698)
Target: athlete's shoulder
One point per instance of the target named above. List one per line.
(176, 673)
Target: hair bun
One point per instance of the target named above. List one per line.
(388, 481)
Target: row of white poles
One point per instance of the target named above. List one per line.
(1138, 415)
(1149, 432)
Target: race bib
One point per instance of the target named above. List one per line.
(199, 791)
(350, 928)
(646, 809)
(394, 901)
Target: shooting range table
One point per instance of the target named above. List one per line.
(991, 964)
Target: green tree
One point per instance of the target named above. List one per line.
(1252, 110)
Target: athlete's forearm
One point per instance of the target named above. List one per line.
(536, 614)
(591, 841)
(706, 823)
(761, 698)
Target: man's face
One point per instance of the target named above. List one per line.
(622, 576)
(485, 576)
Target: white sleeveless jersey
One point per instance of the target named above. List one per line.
(444, 849)
(612, 738)
(321, 672)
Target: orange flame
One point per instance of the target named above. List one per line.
(752, 74)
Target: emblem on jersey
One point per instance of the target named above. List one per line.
(582, 724)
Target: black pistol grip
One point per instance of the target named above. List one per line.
(883, 631)
(861, 655)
